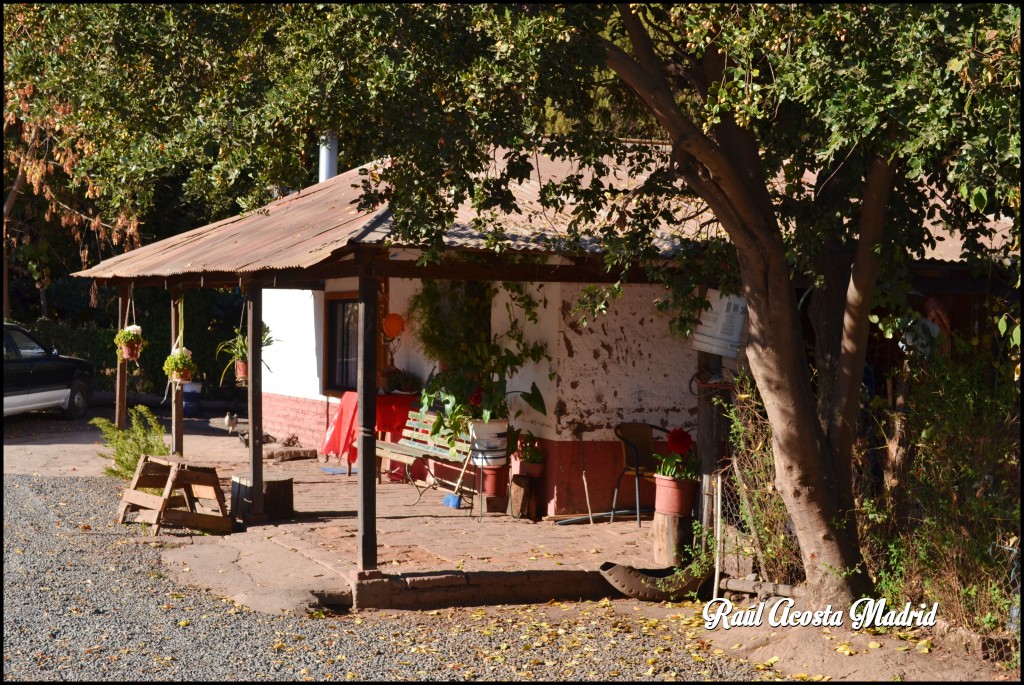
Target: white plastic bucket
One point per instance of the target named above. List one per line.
(721, 329)
(706, 343)
(190, 395)
(488, 443)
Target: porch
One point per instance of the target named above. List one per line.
(429, 555)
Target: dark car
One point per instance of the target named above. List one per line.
(35, 378)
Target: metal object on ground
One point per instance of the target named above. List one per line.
(656, 585)
(761, 589)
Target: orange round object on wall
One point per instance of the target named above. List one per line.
(392, 325)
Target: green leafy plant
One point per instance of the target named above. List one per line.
(237, 348)
(476, 368)
(129, 335)
(529, 450)
(178, 361)
(681, 460)
(401, 380)
(144, 435)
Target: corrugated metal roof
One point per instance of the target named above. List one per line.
(297, 231)
(318, 223)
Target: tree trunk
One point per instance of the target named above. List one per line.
(19, 181)
(897, 462)
(826, 314)
(726, 173)
(803, 475)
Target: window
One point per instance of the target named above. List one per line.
(27, 346)
(342, 342)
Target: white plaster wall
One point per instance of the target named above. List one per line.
(408, 356)
(295, 359)
(624, 366)
(546, 330)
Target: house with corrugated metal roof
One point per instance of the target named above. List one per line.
(323, 273)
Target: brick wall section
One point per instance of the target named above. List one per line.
(308, 419)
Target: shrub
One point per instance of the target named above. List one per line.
(946, 527)
(144, 435)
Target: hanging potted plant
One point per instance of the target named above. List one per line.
(237, 350)
(129, 342)
(677, 478)
(179, 365)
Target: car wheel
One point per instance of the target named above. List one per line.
(78, 403)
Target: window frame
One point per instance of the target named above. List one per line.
(350, 297)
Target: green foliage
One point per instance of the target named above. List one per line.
(473, 382)
(762, 511)
(675, 465)
(144, 435)
(87, 341)
(698, 559)
(448, 318)
(529, 450)
(402, 381)
(940, 533)
(178, 361)
(128, 335)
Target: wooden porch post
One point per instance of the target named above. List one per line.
(121, 385)
(366, 417)
(177, 395)
(254, 307)
(709, 438)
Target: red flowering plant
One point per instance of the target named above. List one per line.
(681, 460)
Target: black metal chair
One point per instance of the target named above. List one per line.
(637, 456)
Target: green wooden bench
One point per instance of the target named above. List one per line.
(418, 445)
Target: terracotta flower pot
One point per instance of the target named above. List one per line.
(674, 495)
(241, 371)
(183, 376)
(531, 470)
(130, 351)
(495, 481)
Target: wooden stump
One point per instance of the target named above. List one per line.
(278, 497)
(670, 535)
(523, 497)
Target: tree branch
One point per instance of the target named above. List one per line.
(853, 348)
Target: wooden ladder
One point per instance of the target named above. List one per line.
(200, 503)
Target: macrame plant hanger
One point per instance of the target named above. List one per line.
(130, 313)
(178, 344)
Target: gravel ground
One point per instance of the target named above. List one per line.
(85, 599)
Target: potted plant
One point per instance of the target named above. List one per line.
(473, 398)
(401, 381)
(179, 365)
(529, 456)
(129, 342)
(677, 478)
(237, 349)
(471, 390)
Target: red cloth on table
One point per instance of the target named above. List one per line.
(392, 413)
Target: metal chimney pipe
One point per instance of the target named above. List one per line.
(328, 156)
